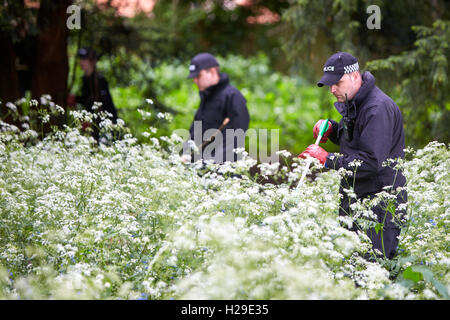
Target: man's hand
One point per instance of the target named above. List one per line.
(315, 151)
(316, 130)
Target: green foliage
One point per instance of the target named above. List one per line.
(422, 75)
(14, 16)
(319, 28)
(414, 276)
(178, 29)
(418, 273)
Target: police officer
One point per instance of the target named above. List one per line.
(94, 89)
(222, 110)
(370, 131)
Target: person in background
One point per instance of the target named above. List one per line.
(222, 107)
(94, 89)
(370, 132)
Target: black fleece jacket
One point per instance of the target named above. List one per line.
(378, 135)
(95, 89)
(218, 102)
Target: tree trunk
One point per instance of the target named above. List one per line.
(52, 66)
(9, 82)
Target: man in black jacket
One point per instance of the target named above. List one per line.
(370, 132)
(222, 116)
(94, 89)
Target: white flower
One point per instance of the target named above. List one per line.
(284, 153)
(120, 122)
(97, 105)
(107, 123)
(155, 141)
(144, 114)
(45, 99)
(59, 109)
(309, 251)
(45, 118)
(268, 169)
(355, 163)
(11, 106)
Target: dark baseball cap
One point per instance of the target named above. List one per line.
(87, 53)
(201, 61)
(336, 66)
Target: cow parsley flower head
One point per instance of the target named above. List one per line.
(284, 153)
(268, 169)
(11, 106)
(355, 163)
(97, 105)
(144, 114)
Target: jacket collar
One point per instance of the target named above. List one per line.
(366, 87)
(223, 81)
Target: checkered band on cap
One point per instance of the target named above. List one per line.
(351, 68)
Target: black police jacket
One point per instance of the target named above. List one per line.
(377, 136)
(95, 89)
(217, 103)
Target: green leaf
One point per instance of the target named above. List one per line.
(391, 208)
(442, 289)
(425, 271)
(429, 277)
(378, 227)
(409, 274)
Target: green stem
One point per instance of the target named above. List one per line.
(382, 234)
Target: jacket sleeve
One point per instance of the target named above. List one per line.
(236, 111)
(374, 144)
(333, 135)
